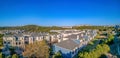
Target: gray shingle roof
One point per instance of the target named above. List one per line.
(8, 35)
(68, 44)
(72, 36)
(19, 35)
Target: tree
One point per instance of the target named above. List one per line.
(97, 52)
(15, 56)
(12, 50)
(9, 56)
(57, 55)
(1, 40)
(37, 49)
(109, 40)
(0, 55)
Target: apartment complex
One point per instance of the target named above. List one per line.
(67, 41)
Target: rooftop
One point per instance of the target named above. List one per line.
(68, 44)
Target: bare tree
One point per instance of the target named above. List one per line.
(37, 49)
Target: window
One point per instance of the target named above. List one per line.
(26, 38)
(4, 42)
(73, 52)
(16, 38)
(19, 43)
(8, 42)
(26, 42)
(16, 43)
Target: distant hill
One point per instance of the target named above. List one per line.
(36, 28)
(33, 28)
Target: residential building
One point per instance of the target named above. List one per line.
(68, 48)
(71, 44)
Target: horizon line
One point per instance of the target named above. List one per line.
(61, 25)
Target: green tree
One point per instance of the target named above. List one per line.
(97, 52)
(0, 55)
(57, 55)
(15, 56)
(109, 40)
(9, 56)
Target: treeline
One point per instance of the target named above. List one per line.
(101, 28)
(99, 50)
(96, 53)
(94, 50)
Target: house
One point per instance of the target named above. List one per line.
(68, 48)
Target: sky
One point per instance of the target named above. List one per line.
(59, 12)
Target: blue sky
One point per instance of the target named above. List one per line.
(59, 12)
